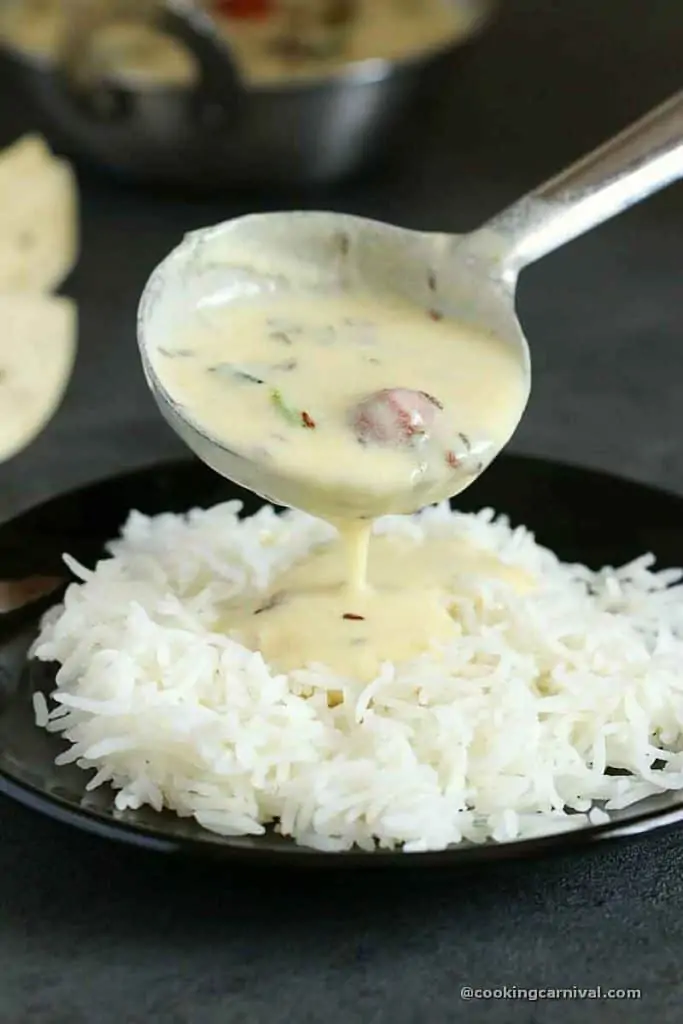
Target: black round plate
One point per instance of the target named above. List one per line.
(582, 515)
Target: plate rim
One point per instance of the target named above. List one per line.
(176, 463)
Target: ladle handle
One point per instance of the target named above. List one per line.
(642, 159)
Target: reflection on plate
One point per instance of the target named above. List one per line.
(582, 515)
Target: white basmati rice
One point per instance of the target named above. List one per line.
(506, 734)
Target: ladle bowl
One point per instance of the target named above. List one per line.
(471, 278)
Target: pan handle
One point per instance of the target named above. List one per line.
(101, 104)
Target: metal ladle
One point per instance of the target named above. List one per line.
(471, 278)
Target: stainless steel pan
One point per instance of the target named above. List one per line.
(218, 131)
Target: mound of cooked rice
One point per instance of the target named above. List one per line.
(504, 734)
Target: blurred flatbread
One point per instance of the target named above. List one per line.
(38, 217)
(37, 351)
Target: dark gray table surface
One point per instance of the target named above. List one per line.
(93, 933)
